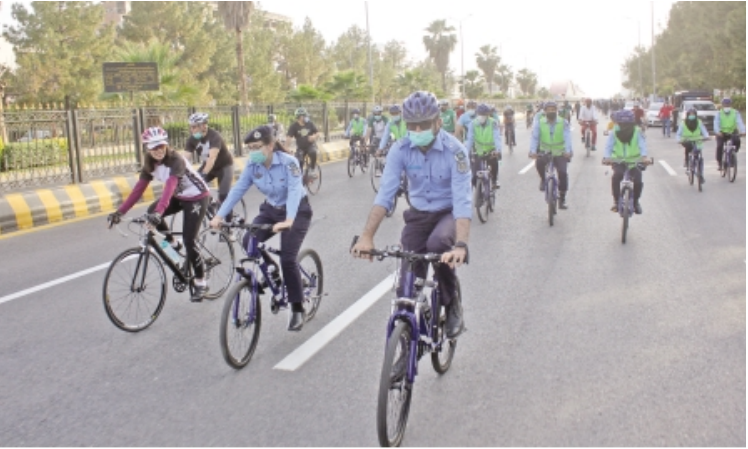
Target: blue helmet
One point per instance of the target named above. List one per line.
(727, 102)
(550, 104)
(395, 109)
(472, 104)
(355, 112)
(625, 117)
(420, 107)
(483, 109)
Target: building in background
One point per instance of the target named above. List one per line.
(115, 12)
(566, 90)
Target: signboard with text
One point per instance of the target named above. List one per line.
(131, 77)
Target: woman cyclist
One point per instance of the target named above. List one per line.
(690, 134)
(277, 175)
(184, 190)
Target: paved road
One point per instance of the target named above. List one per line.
(575, 340)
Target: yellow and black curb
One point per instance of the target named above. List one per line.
(24, 211)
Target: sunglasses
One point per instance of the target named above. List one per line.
(428, 124)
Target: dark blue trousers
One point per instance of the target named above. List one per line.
(291, 242)
(431, 232)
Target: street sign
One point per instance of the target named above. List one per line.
(130, 77)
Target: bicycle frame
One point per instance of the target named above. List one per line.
(551, 181)
(483, 174)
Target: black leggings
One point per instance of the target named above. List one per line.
(493, 163)
(721, 139)
(311, 152)
(636, 176)
(225, 179)
(561, 164)
(194, 213)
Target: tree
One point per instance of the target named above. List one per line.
(177, 85)
(59, 49)
(504, 76)
(473, 84)
(235, 17)
(350, 51)
(348, 85)
(306, 93)
(527, 81)
(488, 61)
(394, 55)
(440, 45)
(544, 93)
(305, 58)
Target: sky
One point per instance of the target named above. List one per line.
(582, 41)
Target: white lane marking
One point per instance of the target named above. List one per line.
(527, 169)
(306, 351)
(54, 283)
(668, 168)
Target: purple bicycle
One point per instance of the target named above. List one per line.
(626, 200)
(242, 314)
(416, 328)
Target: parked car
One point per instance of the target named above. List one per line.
(653, 114)
(706, 111)
(35, 135)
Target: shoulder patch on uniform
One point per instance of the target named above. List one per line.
(294, 168)
(462, 162)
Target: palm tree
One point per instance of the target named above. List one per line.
(488, 61)
(544, 93)
(348, 85)
(527, 81)
(176, 84)
(504, 75)
(440, 44)
(473, 84)
(235, 17)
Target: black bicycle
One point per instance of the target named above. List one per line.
(357, 158)
(626, 206)
(551, 187)
(729, 168)
(242, 313)
(312, 178)
(135, 284)
(510, 137)
(484, 194)
(238, 213)
(416, 327)
(695, 170)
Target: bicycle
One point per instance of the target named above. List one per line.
(626, 207)
(238, 213)
(312, 178)
(242, 311)
(141, 271)
(528, 119)
(357, 158)
(551, 187)
(416, 327)
(377, 169)
(729, 167)
(587, 126)
(696, 164)
(484, 196)
(510, 137)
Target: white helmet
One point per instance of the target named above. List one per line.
(198, 118)
(155, 137)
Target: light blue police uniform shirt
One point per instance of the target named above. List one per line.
(437, 181)
(535, 139)
(612, 143)
(496, 136)
(718, 122)
(387, 132)
(281, 184)
(466, 118)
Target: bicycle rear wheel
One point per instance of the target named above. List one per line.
(479, 200)
(134, 290)
(441, 359)
(352, 164)
(241, 321)
(626, 215)
(552, 202)
(701, 174)
(588, 144)
(691, 170)
(217, 252)
(313, 279)
(395, 391)
(733, 167)
(376, 174)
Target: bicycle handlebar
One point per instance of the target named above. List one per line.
(396, 252)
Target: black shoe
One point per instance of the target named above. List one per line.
(199, 294)
(296, 323)
(614, 209)
(638, 208)
(455, 325)
(542, 185)
(562, 205)
(703, 181)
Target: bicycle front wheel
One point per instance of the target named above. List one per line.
(395, 391)
(479, 201)
(134, 290)
(552, 202)
(240, 325)
(217, 251)
(691, 171)
(733, 170)
(626, 215)
(352, 165)
(313, 281)
(441, 359)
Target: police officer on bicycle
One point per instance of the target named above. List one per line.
(438, 170)
(305, 133)
(552, 134)
(484, 142)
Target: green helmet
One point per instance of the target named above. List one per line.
(301, 112)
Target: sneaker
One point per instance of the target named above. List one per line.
(200, 293)
(614, 209)
(594, 148)
(542, 185)
(638, 208)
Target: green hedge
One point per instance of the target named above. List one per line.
(738, 102)
(37, 153)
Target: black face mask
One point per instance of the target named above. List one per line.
(692, 124)
(626, 133)
(551, 116)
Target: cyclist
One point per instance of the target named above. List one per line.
(184, 190)
(484, 143)
(207, 146)
(577, 108)
(396, 128)
(448, 116)
(510, 126)
(627, 144)
(690, 134)
(529, 114)
(465, 120)
(305, 133)
(588, 117)
(356, 129)
(639, 116)
(376, 128)
(552, 134)
(665, 115)
(495, 115)
(278, 176)
(439, 184)
(566, 111)
(280, 131)
(726, 125)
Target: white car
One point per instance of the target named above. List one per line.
(653, 114)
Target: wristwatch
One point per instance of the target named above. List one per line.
(464, 246)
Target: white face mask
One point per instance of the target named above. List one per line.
(482, 120)
(727, 110)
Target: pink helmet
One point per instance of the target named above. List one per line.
(155, 137)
